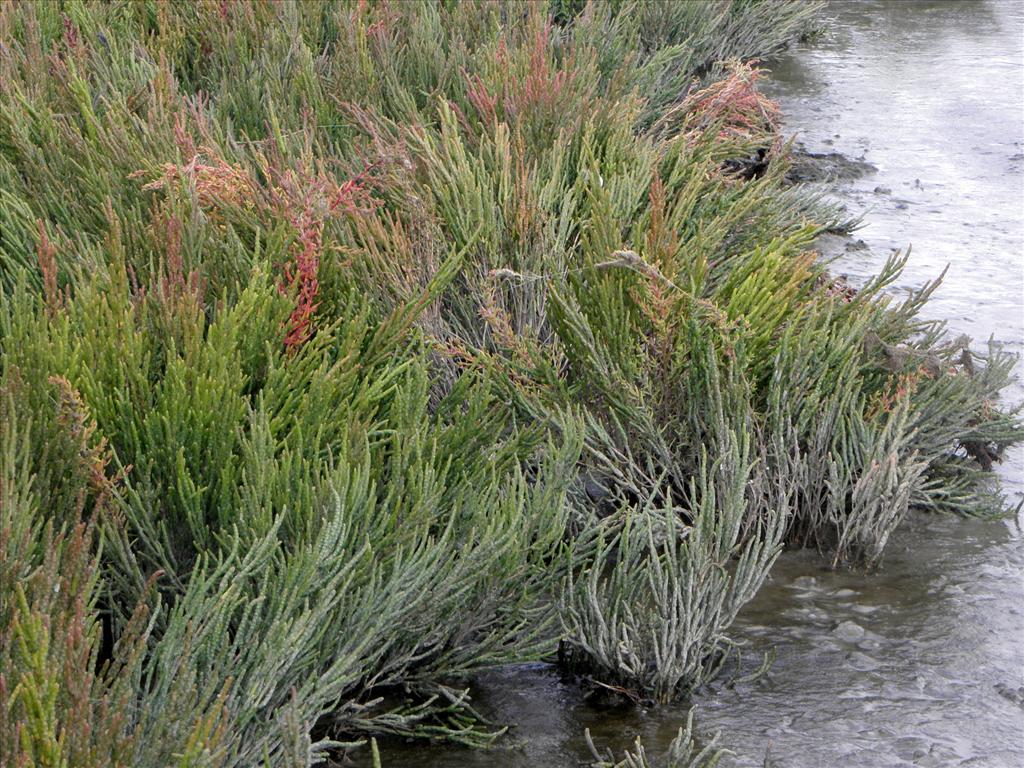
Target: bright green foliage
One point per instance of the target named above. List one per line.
(320, 533)
(349, 348)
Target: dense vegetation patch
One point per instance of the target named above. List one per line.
(347, 349)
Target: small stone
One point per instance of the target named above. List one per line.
(862, 662)
(848, 631)
(594, 489)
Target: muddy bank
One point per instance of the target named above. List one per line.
(809, 167)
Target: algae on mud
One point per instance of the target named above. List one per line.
(328, 319)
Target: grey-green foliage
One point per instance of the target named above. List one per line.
(269, 626)
(650, 611)
(666, 45)
(865, 456)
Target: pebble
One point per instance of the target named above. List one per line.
(848, 631)
(862, 662)
(869, 644)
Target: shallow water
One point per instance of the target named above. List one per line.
(921, 663)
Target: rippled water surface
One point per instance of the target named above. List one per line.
(921, 664)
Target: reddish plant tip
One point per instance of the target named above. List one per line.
(303, 275)
(47, 257)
